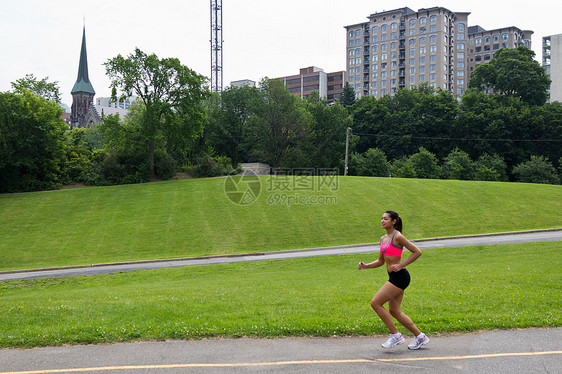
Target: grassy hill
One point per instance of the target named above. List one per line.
(194, 217)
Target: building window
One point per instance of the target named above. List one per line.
(422, 60)
(486, 57)
(460, 82)
(478, 49)
(460, 36)
(412, 79)
(422, 77)
(393, 82)
(432, 76)
(413, 41)
(393, 73)
(352, 43)
(375, 29)
(357, 33)
(433, 58)
(383, 47)
(375, 58)
(351, 61)
(496, 46)
(375, 38)
(486, 39)
(412, 22)
(423, 30)
(351, 34)
(505, 36)
(422, 40)
(423, 50)
(433, 18)
(384, 74)
(496, 37)
(383, 83)
(460, 55)
(412, 70)
(393, 54)
(478, 40)
(412, 32)
(422, 20)
(375, 48)
(383, 28)
(351, 52)
(393, 35)
(358, 60)
(384, 37)
(412, 52)
(460, 64)
(460, 73)
(433, 28)
(486, 47)
(422, 68)
(460, 45)
(433, 38)
(393, 45)
(432, 67)
(433, 48)
(478, 58)
(375, 75)
(460, 27)
(383, 91)
(394, 26)
(505, 45)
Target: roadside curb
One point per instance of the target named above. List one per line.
(256, 254)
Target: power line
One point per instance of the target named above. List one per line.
(464, 139)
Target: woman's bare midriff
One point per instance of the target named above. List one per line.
(391, 260)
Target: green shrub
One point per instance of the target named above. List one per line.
(537, 170)
(402, 168)
(425, 164)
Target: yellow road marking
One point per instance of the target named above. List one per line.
(467, 357)
(279, 363)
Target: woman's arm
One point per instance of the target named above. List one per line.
(372, 265)
(416, 252)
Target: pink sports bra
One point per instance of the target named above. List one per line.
(389, 250)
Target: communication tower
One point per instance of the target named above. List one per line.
(216, 45)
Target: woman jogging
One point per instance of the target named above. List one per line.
(392, 291)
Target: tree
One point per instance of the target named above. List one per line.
(324, 142)
(537, 170)
(513, 72)
(173, 96)
(278, 123)
(229, 120)
(348, 95)
(43, 88)
(31, 142)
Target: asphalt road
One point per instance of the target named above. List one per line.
(514, 351)
(463, 241)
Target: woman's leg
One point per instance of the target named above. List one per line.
(387, 293)
(396, 312)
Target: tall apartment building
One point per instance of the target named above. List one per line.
(328, 85)
(483, 44)
(552, 63)
(402, 48)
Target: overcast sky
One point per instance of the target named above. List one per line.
(261, 37)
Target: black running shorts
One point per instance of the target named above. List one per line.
(400, 279)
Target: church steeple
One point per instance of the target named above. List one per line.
(83, 81)
(83, 112)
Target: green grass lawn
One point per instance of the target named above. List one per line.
(194, 217)
(455, 289)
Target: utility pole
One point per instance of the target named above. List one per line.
(216, 45)
(346, 148)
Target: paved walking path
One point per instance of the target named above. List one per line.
(458, 241)
(513, 351)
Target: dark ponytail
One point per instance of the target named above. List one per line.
(394, 216)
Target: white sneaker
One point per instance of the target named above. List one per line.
(393, 341)
(419, 341)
